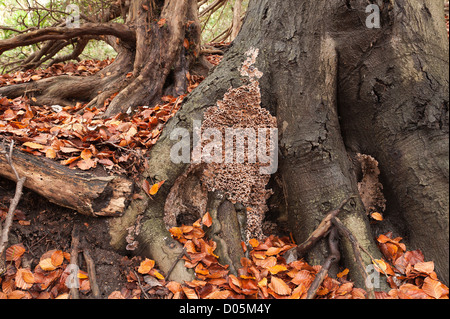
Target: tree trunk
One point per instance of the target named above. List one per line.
(336, 87)
(393, 100)
(303, 57)
(157, 46)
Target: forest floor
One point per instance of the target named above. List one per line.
(42, 233)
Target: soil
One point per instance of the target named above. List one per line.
(50, 227)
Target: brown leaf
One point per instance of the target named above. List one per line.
(14, 252)
(424, 267)
(57, 258)
(190, 293)
(409, 291)
(86, 164)
(277, 268)
(146, 266)
(46, 264)
(32, 145)
(155, 188)
(50, 153)
(279, 286)
(433, 288)
(146, 186)
(86, 154)
(162, 22)
(207, 220)
(24, 279)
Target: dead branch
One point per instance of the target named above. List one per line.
(4, 230)
(121, 31)
(333, 242)
(321, 231)
(91, 272)
(175, 263)
(344, 231)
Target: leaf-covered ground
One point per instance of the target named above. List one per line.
(264, 273)
(75, 137)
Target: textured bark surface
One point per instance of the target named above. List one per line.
(326, 95)
(337, 89)
(83, 192)
(393, 100)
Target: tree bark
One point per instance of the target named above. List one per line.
(336, 87)
(393, 102)
(304, 84)
(83, 192)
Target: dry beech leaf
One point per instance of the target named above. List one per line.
(253, 242)
(343, 273)
(155, 188)
(50, 153)
(46, 264)
(190, 293)
(24, 279)
(57, 258)
(14, 252)
(377, 216)
(17, 294)
(86, 154)
(207, 220)
(86, 164)
(162, 22)
(424, 267)
(433, 288)
(34, 146)
(279, 286)
(146, 266)
(277, 268)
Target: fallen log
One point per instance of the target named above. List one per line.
(83, 192)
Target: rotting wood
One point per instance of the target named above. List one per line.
(83, 192)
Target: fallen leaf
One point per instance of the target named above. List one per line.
(377, 216)
(424, 267)
(50, 153)
(34, 146)
(46, 264)
(343, 273)
(279, 286)
(14, 252)
(86, 154)
(254, 242)
(155, 188)
(277, 268)
(57, 258)
(162, 22)
(86, 164)
(146, 266)
(24, 279)
(433, 288)
(207, 220)
(190, 293)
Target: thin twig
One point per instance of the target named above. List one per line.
(333, 242)
(321, 230)
(74, 293)
(4, 230)
(140, 286)
(91, 273)
(357, 252)
(183, 252)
